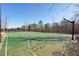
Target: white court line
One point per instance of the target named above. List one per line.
(30, 48)
(6, 45)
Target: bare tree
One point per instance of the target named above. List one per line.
(41, 25)
(47, 27)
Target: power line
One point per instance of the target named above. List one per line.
(51, 7)
(67, 7)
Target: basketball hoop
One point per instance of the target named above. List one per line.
(72, 22)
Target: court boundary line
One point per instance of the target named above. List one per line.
(6, 45)
(30, 48)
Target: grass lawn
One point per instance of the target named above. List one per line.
(40, 43)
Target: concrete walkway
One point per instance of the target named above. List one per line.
(3, 38)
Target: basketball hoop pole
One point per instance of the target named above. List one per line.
(72, 22)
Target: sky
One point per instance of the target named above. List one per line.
(18, 14)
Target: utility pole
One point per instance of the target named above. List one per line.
(53, 21)
(53, 24)
(5, 24)
(0, 23)
(72, 22)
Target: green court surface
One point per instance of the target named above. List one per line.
(41, 44)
